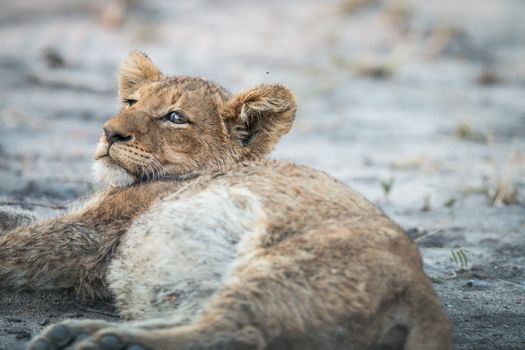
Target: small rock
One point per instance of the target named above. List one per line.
(19, 333)
(53, 58)
(488, 77)
(23, 335)
(477, 285)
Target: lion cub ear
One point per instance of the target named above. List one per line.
(136, 70)
(258, 117)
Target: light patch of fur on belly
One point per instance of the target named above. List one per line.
(174, 257)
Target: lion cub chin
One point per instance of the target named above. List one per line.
(207, 245)
(108, 174)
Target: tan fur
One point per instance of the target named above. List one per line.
(212, 246)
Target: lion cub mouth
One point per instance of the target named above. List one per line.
(109, 171)
(124, 164)
(101, 149)
(102, 154)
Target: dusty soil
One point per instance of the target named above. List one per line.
(419, 105)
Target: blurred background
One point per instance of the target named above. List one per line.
(419, 105)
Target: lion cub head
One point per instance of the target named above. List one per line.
(181, 126)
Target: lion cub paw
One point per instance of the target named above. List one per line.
(67, 335)
(102, 335)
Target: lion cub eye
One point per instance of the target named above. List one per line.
(177, 118)
(130, 102)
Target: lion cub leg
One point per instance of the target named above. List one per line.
(303, 293)
(431, 328)
(317, 290)
(62, 252)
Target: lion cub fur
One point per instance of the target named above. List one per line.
(211, 246)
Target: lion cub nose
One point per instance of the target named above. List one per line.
(114, 136)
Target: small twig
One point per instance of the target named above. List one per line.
(95, 311)
(59, 207)
(428, 234)
(452, 275)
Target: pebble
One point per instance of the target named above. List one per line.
(23, 335)
(477, 285)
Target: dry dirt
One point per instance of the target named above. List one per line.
(419, 105)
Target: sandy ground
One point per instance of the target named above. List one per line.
(419, 105)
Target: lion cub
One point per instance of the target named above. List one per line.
(207, 245)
